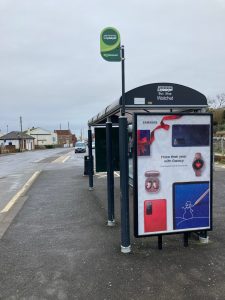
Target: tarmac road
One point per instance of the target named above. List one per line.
(16, 169)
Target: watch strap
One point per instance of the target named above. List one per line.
(198, 155)
(198, 172)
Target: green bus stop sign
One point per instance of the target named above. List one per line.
(110, 44)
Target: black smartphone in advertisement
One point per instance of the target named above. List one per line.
(188, 135)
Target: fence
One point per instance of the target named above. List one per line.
(7, 149)
(219, 145)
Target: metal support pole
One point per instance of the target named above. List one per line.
(90, 164)
(203, 237)
(186, 239)
(222, 148)
(124, 170)
(123, 80)
(110, 173)
(160, 241)
(124, 187)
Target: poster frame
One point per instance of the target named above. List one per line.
(135, 175)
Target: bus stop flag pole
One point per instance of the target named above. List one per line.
(111, 51)
(124, 184)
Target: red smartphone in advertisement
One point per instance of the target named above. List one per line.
(155, 215)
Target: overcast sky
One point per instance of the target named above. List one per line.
(51, 71)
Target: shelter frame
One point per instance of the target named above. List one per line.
(158, 98)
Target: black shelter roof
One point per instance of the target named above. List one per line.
(152, 97)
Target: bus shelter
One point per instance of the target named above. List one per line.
(165, 124)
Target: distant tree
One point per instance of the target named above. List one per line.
(217, 102)
(218, 116)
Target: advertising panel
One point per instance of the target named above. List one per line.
(172, 173)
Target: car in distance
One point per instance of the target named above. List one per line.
(80, 147)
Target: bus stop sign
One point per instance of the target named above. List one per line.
(110, 44)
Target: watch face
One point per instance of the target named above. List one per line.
(198, 164)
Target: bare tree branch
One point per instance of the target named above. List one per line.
(217, 102)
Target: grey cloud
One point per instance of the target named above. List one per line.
(52, 72)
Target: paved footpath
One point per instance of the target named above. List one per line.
(59, 247)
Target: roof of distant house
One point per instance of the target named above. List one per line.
(16, 135)
(63, 132)
(37, 131)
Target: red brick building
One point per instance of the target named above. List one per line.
(74, 139)
(65, 137)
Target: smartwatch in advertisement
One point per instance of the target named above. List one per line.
(198, 164)
(152, 183)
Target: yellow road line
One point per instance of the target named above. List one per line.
(26, 186)
(65, 159)
(61, 159)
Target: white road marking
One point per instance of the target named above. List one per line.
(26, 186)
(104, 174)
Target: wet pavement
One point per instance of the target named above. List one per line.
(59, 247)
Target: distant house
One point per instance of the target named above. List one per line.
(42, 136)
(65, 137)
(17, 140)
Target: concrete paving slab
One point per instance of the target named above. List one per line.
(59, 247)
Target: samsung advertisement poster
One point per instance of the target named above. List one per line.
(172, 173)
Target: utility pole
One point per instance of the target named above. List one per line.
(21, 124)
(21, 130)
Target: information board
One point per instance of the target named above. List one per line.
(172, 173)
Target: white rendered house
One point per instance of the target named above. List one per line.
(42, 136)
(18, 139)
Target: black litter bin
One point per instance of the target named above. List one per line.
(86, 165)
